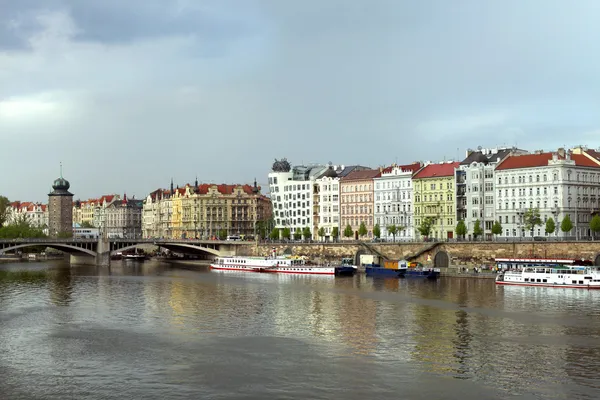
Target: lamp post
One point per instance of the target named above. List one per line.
(555, 212)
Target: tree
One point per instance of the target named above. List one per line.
(286, 234)
(566, 225)
(306, 233)
(362, 229)
(222, 234)
(550, 226)
(87, 224)
(274, 234)
(4, 204)
(377, 231)
(497, 228)
(297, 234)
(477, 231)
(321, 232)
(348, 231)
(335, 233)
(393, 230)
(461, 229)
(531, 219)
(595, 225)
(425, 227)
(21, 227)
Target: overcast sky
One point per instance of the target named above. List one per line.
(128, 94)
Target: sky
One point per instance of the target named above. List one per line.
(129, 94)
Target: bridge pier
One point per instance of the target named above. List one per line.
(82, 260)
(103, 253)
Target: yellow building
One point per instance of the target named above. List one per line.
(205, 211)
(434, 196)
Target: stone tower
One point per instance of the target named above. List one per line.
(60, 208)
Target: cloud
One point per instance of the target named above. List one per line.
(130, 94)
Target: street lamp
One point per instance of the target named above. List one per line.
(555, 213)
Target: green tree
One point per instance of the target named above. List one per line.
(595, 225)
(306, 233)
(461, 229)
(425, 227)
(87, 224)
(4, 204)
(321, 232)
(550, 225)
(566, 225)
(393, 230)
(477, 231)
(335, 233)
(531, 219)
(377, 231)
(21, 227)
(286, 234)
(297, 234)
(497, 228)
(274, 234)
(222, 234)
(362, 229)
(348, 231)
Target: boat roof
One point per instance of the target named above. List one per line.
(537, 260)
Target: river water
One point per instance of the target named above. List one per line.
(163, 331)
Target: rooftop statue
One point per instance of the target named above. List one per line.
(281, 165)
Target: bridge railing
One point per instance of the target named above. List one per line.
(49, 240)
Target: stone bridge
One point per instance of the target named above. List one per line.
(100, 251)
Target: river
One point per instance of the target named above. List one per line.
(169, 331)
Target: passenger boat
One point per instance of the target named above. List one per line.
(557, 273)
(280, 265)
(402, 269)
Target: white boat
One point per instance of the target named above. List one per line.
(279, 265)
(558, 273)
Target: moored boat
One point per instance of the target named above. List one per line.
(279, 265)
(556, 273)
(402, 269)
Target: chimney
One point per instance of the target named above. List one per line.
(561, 152)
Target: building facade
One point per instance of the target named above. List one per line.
(123, 219)
(434, 199)
(326, 206)
(35, 214)
(475, 188)
(357, 202)
(394, 201)
(204, 211)
(60, 208)
(557, 183)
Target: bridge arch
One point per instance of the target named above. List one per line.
(357, 255)
(441, 259)
(597, 260)
(57, 246)
(182, 247)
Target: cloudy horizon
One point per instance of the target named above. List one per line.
(128, 95)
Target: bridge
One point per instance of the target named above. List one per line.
(101, 250)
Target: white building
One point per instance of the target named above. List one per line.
(475, 188)
(35, 214)
(327, 204)
(299, 194)
(559, 184)
(394, 203)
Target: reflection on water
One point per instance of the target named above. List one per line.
(180, 333)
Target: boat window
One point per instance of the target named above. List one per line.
(581, 282)
(574, 282)
(544, 280)
(526, 279)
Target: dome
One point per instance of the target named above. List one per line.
(330, 173)
(61, 184)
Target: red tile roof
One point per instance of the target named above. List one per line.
(362, 175)
(404, 168)
(594, 154)
(540, 160)
(437, 170)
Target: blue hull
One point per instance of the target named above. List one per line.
(421, 274)
(379, 271)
